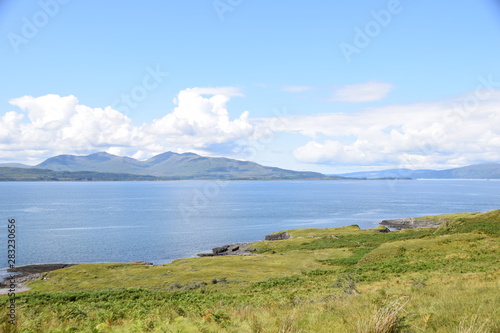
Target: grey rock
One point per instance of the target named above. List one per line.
(41, 268)
(410, 223)
(278, 236)
(238, 249)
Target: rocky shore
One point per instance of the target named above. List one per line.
(242, 249)
(27, 273)
(410, 223)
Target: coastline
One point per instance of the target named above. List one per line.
(28, 273)
(315, 270)
(31, 272)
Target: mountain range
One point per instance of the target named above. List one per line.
(478, 171)
(169, 165)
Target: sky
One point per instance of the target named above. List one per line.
(327, 86)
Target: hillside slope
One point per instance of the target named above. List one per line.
(478, 171)
(32, 174)
(173, 165)
(319, 280)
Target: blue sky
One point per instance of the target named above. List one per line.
(322, 85)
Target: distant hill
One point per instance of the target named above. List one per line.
(14, 165)
(389, 173)
(32, 174)
(478, 171)
(174, 166)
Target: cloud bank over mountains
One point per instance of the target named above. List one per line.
(427, 135)
(55, 124)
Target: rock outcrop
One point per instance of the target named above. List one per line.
(242, 249)
(278, 236)
(410, 223)
(237, 249)
(41, 268)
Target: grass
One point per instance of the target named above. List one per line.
(320, 280)
(386, 319)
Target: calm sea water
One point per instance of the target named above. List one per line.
(73, 222)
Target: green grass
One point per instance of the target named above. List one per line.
(357, 254)
(320, 280)
(474, 222)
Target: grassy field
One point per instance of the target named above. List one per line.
(320, 280)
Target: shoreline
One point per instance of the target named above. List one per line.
(31, 272)
(23, 274)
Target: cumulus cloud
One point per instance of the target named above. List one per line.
(60, 124)
(314, 152)
(426, 135)
(50, 111)
(362, 92)
(415, 136)
(198, 121)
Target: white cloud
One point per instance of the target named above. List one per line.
(415, 136)
(199, 121)
(57, 125)
(296, 89)
(49, 111)
(425, 135)
(362, 92)
(10, 127)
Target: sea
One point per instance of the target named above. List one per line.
(159, 221)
